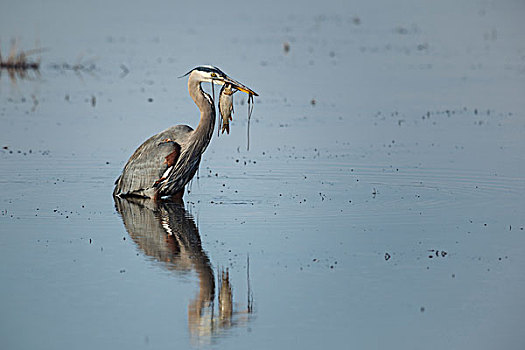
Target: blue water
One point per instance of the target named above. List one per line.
(381, 203)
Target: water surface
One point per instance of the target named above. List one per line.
(381, 203)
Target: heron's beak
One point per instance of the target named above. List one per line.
(235, 84)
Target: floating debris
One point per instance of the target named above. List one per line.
(438, 253)
(125, 70)
(87, 66)
(286, 47)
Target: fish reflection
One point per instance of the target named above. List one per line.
(167, 232)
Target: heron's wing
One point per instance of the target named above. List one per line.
(146, 166)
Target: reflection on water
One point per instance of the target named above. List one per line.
(167, 232)
(20, 74)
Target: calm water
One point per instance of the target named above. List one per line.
(381, 203)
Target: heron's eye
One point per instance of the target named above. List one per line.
(213, 75)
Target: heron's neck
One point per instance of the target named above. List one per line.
(204, 131)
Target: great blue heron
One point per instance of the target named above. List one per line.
(167, 161)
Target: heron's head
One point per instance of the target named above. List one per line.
(212, 74)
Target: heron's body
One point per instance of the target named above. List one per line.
(148, 164)
(167, 161)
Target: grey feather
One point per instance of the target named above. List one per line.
(147, 164)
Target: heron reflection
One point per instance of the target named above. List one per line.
(168, 233)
